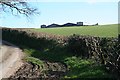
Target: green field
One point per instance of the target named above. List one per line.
(100, 30)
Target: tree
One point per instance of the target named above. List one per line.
(17, 7)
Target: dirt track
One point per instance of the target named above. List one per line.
(11, 66)
(10, 60)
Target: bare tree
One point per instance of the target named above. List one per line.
(17, 7)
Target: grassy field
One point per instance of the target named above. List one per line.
(100, 30)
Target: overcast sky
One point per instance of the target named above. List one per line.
(60, 12)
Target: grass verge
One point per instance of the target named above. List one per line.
(35, 61)
(78, 68)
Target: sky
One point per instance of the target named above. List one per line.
(61, 12)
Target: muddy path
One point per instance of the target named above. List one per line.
(10, 59)
(52, 71)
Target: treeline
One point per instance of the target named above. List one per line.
(105, 51)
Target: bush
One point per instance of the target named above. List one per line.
(28, 39)
(110, 49)
(77, 45)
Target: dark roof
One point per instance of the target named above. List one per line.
(53, 25)
(69, 24)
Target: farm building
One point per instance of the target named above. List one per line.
(64, 25)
